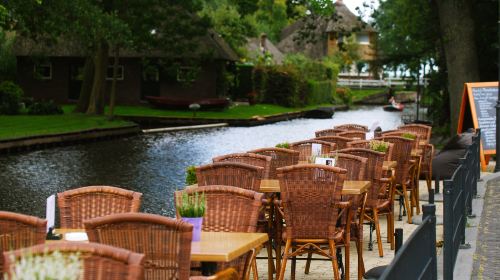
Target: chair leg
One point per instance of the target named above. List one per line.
(281, 275)
(407, 203)
(254, 270)
(294, 265)
(390, 217)
(308, 262)
(270, 261)
(389, 226)
(361, 263)
(377, 229)
(347, 257)
(333, 254)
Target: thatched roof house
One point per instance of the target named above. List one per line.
(328, 32)
(260, 46)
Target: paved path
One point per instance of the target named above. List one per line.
(487, 256)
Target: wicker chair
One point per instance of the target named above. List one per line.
(99, 261)
(357, 135)
(426, 166)
(248, 158)
(424, 131)
(309, 227)
(280, 158)
(165, 242)
(227, 173)
(329, 132)
(19, 231)
(404, 169)
(365, 144)
(305, 148)
(400, 133)
(340, 141)
(352, 126)
(379, 200)
(80, 204)
(230, 209)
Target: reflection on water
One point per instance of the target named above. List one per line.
(152, 164)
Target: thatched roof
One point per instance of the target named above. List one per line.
(212, 43)
(254, 47)
(343, 21)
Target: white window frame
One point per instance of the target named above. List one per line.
(120, 71)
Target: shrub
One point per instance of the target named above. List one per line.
(191, 175)
(343, 96)
(191, 206)
(284, 87)
(408, 135)
(319, 92)
(10, 98)
(284, 145)
(45, 108)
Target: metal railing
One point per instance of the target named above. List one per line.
(417, 257)
(457, 199)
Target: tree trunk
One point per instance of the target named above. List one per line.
(112, 97)
(457, 33)
(88, 77)
(100, 68)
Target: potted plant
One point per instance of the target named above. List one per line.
(191, 175)
(379, 146)
(191, 208)
(284, 145)
(47, 266)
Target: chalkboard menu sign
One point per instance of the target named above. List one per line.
(478, 111)
(485, 99)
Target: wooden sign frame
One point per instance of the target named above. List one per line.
(468, 99)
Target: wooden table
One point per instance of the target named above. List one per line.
(214, 247)
(350, 187)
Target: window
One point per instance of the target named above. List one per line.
(43, 71)
(151, 73)
(119, 74)
(187, 73)
(363, 39)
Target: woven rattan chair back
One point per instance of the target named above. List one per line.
(402, 155)
(356, 135)
(305, 148)
(352, 126)
(373, 171)
(99, 261)
(424, 131)
(340, 142)
(280, 157)
(400, 133)
(365, 144)
(329, 132)
(354, 165)
(80, 204)
(19, 231)
(227, 173)
(230, 209)
(303, 188)
(248, 158)
(165, 242)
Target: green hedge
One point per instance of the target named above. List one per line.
(280, 85)
(320, 92)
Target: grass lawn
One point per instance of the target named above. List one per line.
(26, 125)
(235, 112)
(360, 94)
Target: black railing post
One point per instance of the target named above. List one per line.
(431, 196)
(398, 237)
(448, 228)
(429, 210)
(436, 185)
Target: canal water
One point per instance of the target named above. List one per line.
(153, 164)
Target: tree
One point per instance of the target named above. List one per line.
(457, 31)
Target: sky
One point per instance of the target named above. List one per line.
(352, 4)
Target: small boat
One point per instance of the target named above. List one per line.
(174, 103)
(394, 107)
